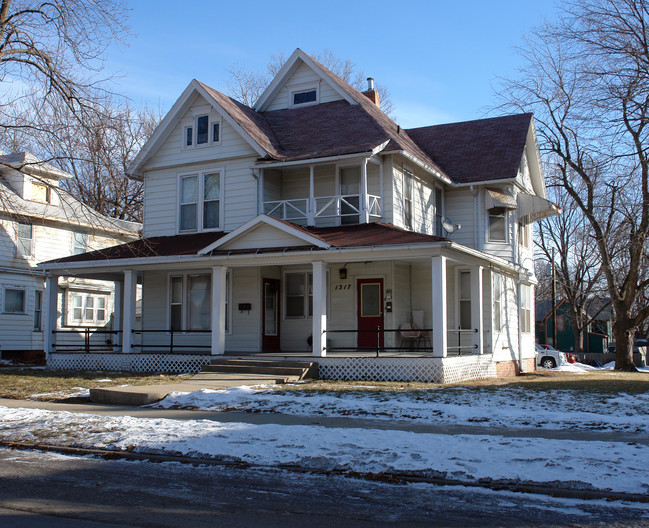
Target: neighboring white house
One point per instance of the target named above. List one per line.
(312, 224)
(40, 221)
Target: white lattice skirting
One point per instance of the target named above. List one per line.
(435, 370)
(172, 363)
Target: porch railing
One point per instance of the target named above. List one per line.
(169, 340)
(89, 344)
(336, 206)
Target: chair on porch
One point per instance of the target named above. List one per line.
(417, 324)
(408, 336)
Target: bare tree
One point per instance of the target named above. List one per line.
(587, 80)
(247, 86)
(568, 239)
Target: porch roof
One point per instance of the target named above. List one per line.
(361, 235)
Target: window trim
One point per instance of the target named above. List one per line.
(184, 314)
(30, 254)
(458, 286)
(4, 300)
(305, 303)
(505, 218)
(200, 200)
(38, 322)
(71, 320)
(524, 238)
(191, 123)
(302, 88)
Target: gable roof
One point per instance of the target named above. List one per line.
(475, 151)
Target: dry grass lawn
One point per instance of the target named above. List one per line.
(20, 383)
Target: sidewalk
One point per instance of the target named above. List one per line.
(325, 421)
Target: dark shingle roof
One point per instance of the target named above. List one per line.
(361, 235)
(474, 151)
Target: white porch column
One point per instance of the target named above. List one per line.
(50, 313)
(128, 310)
(218, 309)
(365, 214)
(319, 309)
(476, 307)
(310, 220)
(117, 315)
(440, 324)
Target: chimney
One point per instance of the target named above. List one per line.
(371, 93)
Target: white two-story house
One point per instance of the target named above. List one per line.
(41, 221)
(312, 224)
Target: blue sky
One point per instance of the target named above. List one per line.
(440, 60)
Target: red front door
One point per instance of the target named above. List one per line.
(370, 312)
(270, 315)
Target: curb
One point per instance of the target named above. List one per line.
(395, 477)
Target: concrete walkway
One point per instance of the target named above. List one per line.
(146, 394)
(326, 421)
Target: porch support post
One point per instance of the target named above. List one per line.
(476, 307)
(439, 306)
(319, 309)
(128, 311)
(310, 219)
(117, 315)
(218, 309)
(260, 182)
(365, 214)
(50, 312)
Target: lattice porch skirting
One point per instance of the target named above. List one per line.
(435, 370)
(171, 363)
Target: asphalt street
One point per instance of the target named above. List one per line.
(45, 489)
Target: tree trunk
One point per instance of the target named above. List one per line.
(623, 346)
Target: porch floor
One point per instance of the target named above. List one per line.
(307, 355)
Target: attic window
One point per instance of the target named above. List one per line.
(201, 130)
(304, 97)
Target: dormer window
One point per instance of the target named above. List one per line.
(304, 97)
(40, 192)
(202, 130)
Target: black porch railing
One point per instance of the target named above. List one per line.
(89, 345)
(173, 344)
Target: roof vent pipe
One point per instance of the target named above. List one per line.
(370, 84)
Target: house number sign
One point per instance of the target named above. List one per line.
(346, 286)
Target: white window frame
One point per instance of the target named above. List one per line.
(307, 295)
(505, 216)
(497, 298)
(19, 253)
(461, 299)
(4, 300)
(86, 296)
(184, 314)
(200, 201)
(526, 309)
(192, 123)
(302, 88)
(41, 185)
(408, 173)
(38, 311)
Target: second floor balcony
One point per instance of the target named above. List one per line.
(324, 195)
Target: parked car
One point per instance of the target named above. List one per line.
(639, 351)
(549, 357)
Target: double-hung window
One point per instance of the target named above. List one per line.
(298, 295)
(24, 234)
(497, 224)
(80, 243)
(465, 299)
(38, 310)
(190, 302)
(199, 204)
(408, 179)
(497, 301)
(526, 308)
(14, 300)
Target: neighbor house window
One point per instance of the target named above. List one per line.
(88, 308)
(298, 295)
(408, 179)
(14, 300)
(40, 192)
(80, 243)
(464, 295)
(24, 234)
(497, 301)
(200, 201)
(38, 309)
(497, 217)
(526, 308)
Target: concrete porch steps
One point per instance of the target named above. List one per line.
(282, 369)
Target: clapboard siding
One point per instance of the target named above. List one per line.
(459, 208)
(302, 75)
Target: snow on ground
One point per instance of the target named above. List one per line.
(74, 392)
(603, 465)
(504, 407)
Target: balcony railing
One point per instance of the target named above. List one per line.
(348, 208)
